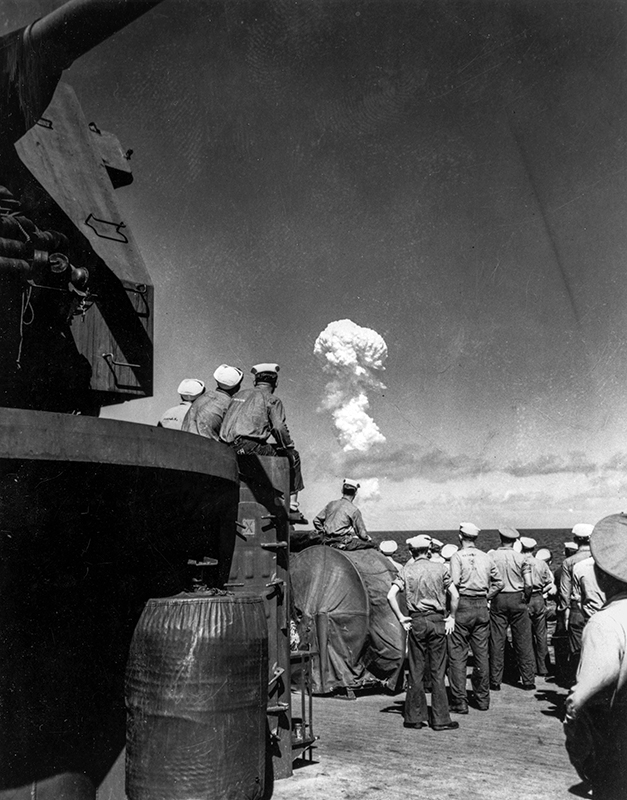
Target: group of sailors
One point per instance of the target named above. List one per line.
(245, 419)
(463, 599)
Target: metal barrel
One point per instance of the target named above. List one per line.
(196, 696)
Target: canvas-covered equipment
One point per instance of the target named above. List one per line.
(341, 603)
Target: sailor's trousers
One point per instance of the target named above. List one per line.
(427, 640)
(509, 608)
(472, 628)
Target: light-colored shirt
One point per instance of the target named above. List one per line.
(602, 674)
(256, 414)
(173, 417)
(586, 589)
(424, 583)
(541, 575)
(475, 574)
(512, 567)
(339, 521)
(566, 580)
(206, 413)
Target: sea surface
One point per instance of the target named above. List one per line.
(553, 538)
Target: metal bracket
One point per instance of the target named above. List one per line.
(273, 545)
(108, 357)
(116, 225)
(44, 123)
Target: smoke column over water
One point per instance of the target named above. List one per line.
(351, 355)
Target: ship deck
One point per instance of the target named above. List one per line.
(514, 750)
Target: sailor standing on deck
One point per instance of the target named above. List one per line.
(206, 413)
(340, 522)
(596, 709)
(255, 415)
(189, 389)
(542, 583)
(509, 607)
(387, 548)
(477, 579)
(425, 585)
(568, 602)
(560, 637)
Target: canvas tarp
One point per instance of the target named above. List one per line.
(341, 605)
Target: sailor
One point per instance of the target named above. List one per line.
(447, 553)
(509, 607)
(586, 588)
(477, 579)
(596, 709)
(255, 415)
(425, 585)
(435, 554)
(189, 389)
(206, 413)
(542, 584)
(388, 548)
(568, 602)
(560, 636)
(340, 522)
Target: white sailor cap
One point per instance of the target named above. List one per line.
(388, 547)
(350, 483)
(571, 547)
(517, 546)
(582, 530)
(265, 367)
(508, 532)
(420, 542)
(469, 529)
(191, 387)
(227, 377)
(544, 554)
(436, 543)
(447, 551)
(527, 542)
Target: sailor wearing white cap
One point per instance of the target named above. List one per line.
(596, 709)
(253, 417)
(387, 548)
(435, 552)
(189, 389)
(207, 411)
(542, 583)
(568, 602)
(425, 584)
(477, 580)
(340, 522)
(509, 608)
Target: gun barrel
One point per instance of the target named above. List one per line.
(78, 25)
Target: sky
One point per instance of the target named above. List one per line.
(449, 175)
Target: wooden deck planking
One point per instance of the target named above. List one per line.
(515, 750)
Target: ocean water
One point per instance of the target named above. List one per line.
(553, 538)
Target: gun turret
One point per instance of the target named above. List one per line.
(57, 177)
(32, 59)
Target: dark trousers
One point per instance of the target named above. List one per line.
(245, 447)
(508, 608)
(538, 614)
(576, 622)
(427, 640)
(472, 628)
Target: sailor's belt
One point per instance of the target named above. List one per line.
(424, 613)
